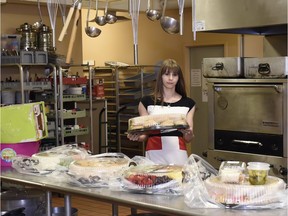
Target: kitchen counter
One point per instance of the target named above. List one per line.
(169, 205)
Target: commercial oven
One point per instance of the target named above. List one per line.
(248, 121)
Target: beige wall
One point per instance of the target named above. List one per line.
(116, 41)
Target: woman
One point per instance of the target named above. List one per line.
(167, 147)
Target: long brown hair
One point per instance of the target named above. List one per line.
(171, 66)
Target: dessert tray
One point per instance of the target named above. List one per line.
(243, 194)
(46, 162)
(102, 170)
(153, 179)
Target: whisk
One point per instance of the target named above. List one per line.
(62, 7)
(52, 6)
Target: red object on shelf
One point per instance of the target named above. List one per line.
(99, 91)
(74, 80)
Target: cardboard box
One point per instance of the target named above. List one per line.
(23, 123)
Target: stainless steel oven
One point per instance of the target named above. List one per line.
(248, 121)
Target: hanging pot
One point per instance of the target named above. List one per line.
(30, 199)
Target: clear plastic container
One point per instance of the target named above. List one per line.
(232, 172)
(258, 172)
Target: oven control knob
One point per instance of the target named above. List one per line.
(283, 171)
(220, 141)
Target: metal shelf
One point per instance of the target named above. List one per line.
(124, 86)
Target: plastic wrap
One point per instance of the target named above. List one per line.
(102, 170)
(55, 159)
(196, 170)
(157, 122)
(203, 188)
(153, 179)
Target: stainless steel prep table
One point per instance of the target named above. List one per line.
(168, 205)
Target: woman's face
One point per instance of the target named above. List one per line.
(170, 79)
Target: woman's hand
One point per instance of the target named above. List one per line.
(140, 137)
(187, 134)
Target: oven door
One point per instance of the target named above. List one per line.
(249, 118)
(249, 108)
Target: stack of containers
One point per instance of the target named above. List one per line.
(22, 128)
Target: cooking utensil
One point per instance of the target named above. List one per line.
(14, 212)
(27, 201)
(62, 6)
(39, 23)
(134, 13)
(76, 3)
(169, 24)
(91, 31)
(73, 33)
(52, 6)
(152, 14)
(100, 20)
(110, 18)
(181, 7)
(194, 28)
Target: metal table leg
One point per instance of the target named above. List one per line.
(114, 209)
(67, 203)
(49, 203)
(133, 211)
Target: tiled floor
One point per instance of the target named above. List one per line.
(88, 207)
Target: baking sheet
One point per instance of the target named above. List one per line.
(158, 127)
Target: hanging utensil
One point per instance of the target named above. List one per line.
(62, 6)
(181, 8)
(91, 31)
(194, 28)
(134, 13)
(110, 18)
(100, 20)
(73, 33)
(37, 25)
(169, 24)
(52, 6)
(152, 14)
(76, 4)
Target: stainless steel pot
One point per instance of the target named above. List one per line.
(28, 37)
(45, 40)
(32, 200)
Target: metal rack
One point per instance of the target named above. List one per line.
(24, 85)
(85, 114)
(124, 87)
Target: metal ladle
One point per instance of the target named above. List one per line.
(91, 31)
(169, 24)
(152, 14)
(38, 24)
(110, 18)
(100, 20)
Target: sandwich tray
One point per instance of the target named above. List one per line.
(157, 128)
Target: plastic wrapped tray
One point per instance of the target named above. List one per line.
(157, 122)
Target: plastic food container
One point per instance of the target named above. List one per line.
(258, 172)
(232, 172)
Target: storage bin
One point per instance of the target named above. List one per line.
(10, 150)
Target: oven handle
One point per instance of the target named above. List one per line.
(277, 88)
(247, 142)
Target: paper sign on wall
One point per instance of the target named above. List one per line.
(196, 77)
